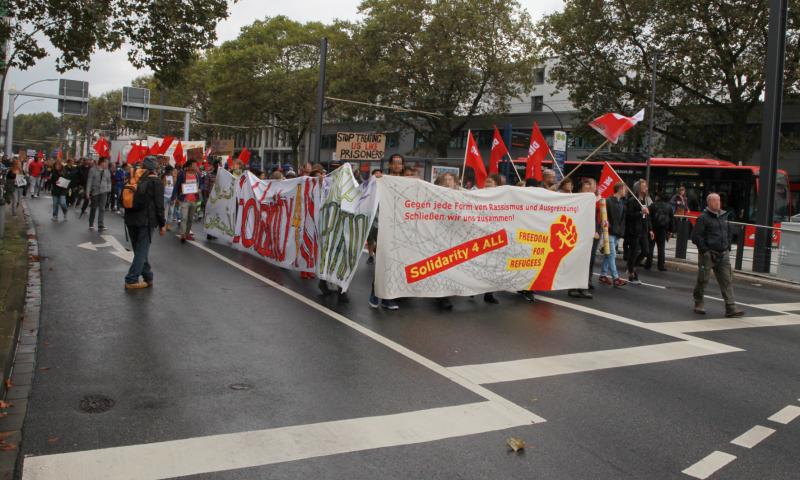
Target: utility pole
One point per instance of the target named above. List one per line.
(652, 118)
(323, 57)
(770, 134)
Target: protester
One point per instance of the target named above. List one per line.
(679, 203)
(83, 179)
(396, 164)
(372, 237)
(60, 188)
(638, 230)
(565, 186)
(36, 171)
(98, 186)
(491, 181)
(615, 208)
(119, 183)
(15, 184)
(409, 172)
(588, 185)
(712, 234)
(549, 179)
(662, 219)
(147, 213)
(71, 174)
(169, 179)
(307, 169)
(187, 192)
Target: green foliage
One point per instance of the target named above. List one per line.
(710, 68)
(39, 131)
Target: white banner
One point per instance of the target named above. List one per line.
(219, 218)
(435, 242)
(346, 212)
(275, 220)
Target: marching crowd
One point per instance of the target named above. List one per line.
(636, 223)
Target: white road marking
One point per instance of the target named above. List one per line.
(780, 307)
(263, 447)
(752, 437)
(707, 466)
(588, 361)
(786, 414)
(717, 324)
(117, 249)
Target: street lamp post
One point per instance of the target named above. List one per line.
(652, 118)
(9, 148)
(560, 124)
(27, 102)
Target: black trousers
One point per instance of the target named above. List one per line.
(660, 242)
(637, 248)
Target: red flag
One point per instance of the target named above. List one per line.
(244, 156)
(536, 152)
(613, 125)
(102, 147)
(155, 149)
(40, 155)
(472, 158)
(119, 155)
(165, 143)
(608, 178)
(499, 151)
(178, 155)
(136, 154)
(229, 163)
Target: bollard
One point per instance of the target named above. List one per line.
(739, 248)
(682, 240)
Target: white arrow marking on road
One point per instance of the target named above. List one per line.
(117, 249)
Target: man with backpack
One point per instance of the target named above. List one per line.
(143, 199)
(662, 218)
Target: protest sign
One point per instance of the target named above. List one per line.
(276, 220)
(219, 218)
(222, 146)
(437, 170)
(346, 213)
(436, 242)
(360, 146)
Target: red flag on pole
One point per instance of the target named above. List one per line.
(473, 159)
(165, 143)
(499, 151)
(119, 156)
(136, 154)
(537, 150)
(155, 149)
(244, 156)
(102, 147)
(613, 125)
(608, 178)
(180, 159)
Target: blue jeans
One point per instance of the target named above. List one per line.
(59, 201)
(140, 240)
(610, 260)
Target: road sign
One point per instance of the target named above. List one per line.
(77, 89)
(135, 102)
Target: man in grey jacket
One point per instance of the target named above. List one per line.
(712, 235)
(98, 186)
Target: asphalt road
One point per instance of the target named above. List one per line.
(232, 369)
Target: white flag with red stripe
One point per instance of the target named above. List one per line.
(613, 125)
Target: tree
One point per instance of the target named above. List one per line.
(458, 59)
(40, 131)
(710, 78)
(269, 75)
(162, 35)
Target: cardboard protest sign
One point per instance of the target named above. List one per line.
(346, 213)
(360, 146)
(436, 242)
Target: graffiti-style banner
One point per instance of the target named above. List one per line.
(219, 219)
(436, 242)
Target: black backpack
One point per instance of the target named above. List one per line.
(661, 215)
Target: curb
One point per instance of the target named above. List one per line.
(23, 367)
(688, 266)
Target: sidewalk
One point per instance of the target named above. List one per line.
(13, 277)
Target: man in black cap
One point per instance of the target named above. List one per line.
(147, 213)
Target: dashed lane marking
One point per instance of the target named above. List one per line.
(786, 414)
(709, 465)
(753, 437)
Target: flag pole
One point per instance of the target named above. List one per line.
(464, 166)
(512, 165)
(555, 162)
(586, 159)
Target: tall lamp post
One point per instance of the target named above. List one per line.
(652, 117)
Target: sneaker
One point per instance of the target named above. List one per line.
(699, 308)
(374, 301)
(390, 305)
(574, 293)
(136, 286)
(489, 298)
(444, 303)
(370, 260)
(190, 237)
(605, 279)
(585, 294)
(91, 228)
(618, 283)
(101, 229)
(634, 280)
(527, 295)
(149, 283)
(323, 287)
(54, 219)
(343, 298)
(183, 239)
(734, 312)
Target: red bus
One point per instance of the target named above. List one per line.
(737, 185)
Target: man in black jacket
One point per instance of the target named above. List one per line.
(712, 235)
(147, 213)
(638, 230)
(662, 218)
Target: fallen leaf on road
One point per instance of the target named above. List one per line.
(5, 404)
(516, 444)
(51, 439)
(7, 446)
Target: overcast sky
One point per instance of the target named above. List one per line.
(111, 70)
